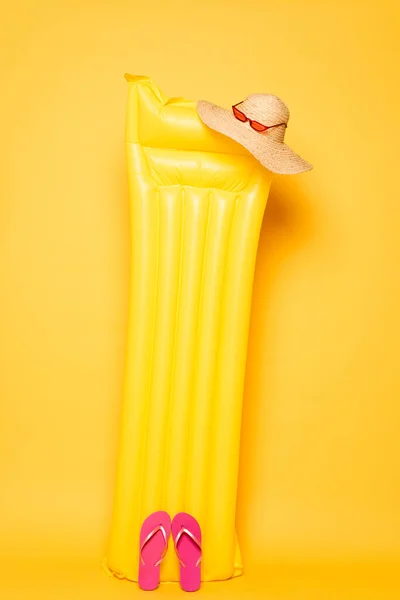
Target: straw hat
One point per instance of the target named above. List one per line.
(258, 123)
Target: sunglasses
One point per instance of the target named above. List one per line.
(253, 124)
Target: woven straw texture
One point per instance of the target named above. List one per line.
(268, 147)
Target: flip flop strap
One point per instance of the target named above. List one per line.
(182, 531)
(149, 537)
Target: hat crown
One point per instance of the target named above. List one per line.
(266, 144)
(265, 108)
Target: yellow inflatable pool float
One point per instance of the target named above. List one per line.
(197, 200)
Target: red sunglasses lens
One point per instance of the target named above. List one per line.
(258, 126)
(238, 114)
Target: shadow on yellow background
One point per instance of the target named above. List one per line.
(319, 494)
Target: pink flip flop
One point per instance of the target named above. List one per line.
(154, 536)
(187, 539)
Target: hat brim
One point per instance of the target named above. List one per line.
(274, 156)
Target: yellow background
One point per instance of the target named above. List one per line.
(319, 493)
